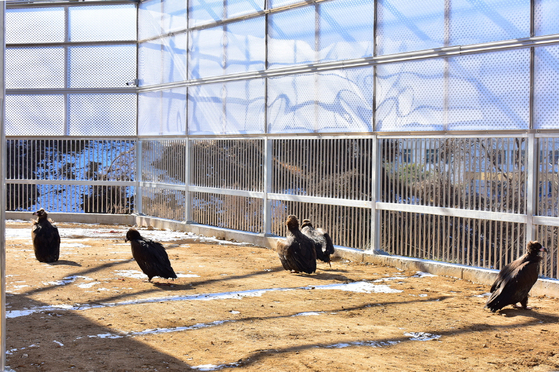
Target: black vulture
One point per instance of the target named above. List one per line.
(297, 252)
(516, 279)
(322, 241)
(46, 240)
(150, 256)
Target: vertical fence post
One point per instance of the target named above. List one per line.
(138, 201)
(267, 206)
(187, 178)
(531, 184)
(375, 192)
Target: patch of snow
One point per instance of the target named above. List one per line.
(484, 295)
(421, 274)
(421, 336)
(212, 367)
(391, 278)
(363, 343)
(187, 276)
(158, 330)
(309, 313)
(58, 342)
(88, 285)
(131, 274)
(66, 280)
(361, 287)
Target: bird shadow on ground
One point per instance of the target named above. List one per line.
(170, 286)
(510, 312)
(328, 276)
(65, 262)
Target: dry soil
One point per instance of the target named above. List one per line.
(233, 308)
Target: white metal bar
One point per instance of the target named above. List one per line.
(440, 211)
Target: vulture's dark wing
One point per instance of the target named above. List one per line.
(152, 258)
(514, 285)
(46, 242)
(282, 248)
(303, 254)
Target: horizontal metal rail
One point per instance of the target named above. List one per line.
(369, 61)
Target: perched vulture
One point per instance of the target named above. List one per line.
(150, 256)
(46, 240)
(297, 253)
(516, 279)
(322, 241)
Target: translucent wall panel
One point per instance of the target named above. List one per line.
(205, 54)
(291, 103)
(204, 11)
(546, 80)
(410, 96)
(489, 91)
(333, 101)
(280, 3)
(149, 113)
(206, 109)
(226, 108)
(346, 29)
(545, 18)
(473, 22)
(291, 37)
(174, 16)
(246, 45)
(156, 18)
(35, 67)
(35, 115)
(174, 111)
(102, 23)
(162, 112)
(41, 25)
(150, 62)
(149, 19)
(237, 8)
(244, 106)
(102, 114)
(162, 60)
(405, 26)
(101, 66)
(345, 100)
(174, 58)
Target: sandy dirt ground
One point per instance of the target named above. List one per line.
(234, 308)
